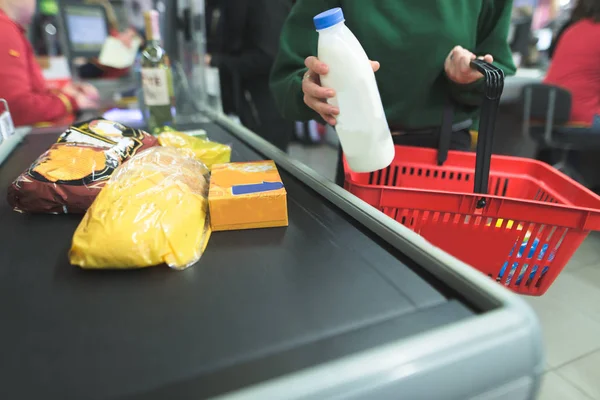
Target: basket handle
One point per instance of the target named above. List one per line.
(494, 85)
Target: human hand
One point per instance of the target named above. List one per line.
(85, 103)
(207, 59)
(315, 96)
(86, 96)
(88, 90)
(458, 66)
(73, 89)
(70, 90)
(126, 37)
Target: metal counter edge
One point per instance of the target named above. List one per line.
(9, 144)
(512, 328)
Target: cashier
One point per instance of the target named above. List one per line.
(424, 49)
(21, 82)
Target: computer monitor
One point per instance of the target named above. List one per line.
(85, 28)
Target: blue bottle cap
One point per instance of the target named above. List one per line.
(329, 18)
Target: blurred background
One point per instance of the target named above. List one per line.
(534, 121)
(193, 29)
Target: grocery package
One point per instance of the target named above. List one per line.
(525, 264)
(502, 276)
(361, 125)
(68, 177)
(153, 211)
(205, 151)
(247, 195)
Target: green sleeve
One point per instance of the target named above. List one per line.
(298, 41)
(492, 38)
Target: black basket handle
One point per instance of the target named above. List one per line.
(494, 85)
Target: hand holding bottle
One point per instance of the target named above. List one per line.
(127, 37)
(344, 70)
(315, 96)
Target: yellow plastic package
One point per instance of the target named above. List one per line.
(204, 150)
(153, 211)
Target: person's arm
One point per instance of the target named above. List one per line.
(28, 104)
(492, 38)
(264, 19)
(298, 41)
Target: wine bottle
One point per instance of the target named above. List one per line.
(157, 81)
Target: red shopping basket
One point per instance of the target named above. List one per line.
(521, 224)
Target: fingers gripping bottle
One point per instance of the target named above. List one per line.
(361, 125)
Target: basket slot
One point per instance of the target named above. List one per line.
(510, 267)
(415, 219)
(380, 177)
(395, 177)
(536, 252)
(546, 255)
(412, 219)
(402, 216)
(531, 257)
(375, 177)
(498, 186)
(422, 172)
(385, 175)
(389, 211)
(542, 195)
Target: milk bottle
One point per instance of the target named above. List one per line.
(361, 125)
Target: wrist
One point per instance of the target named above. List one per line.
(465, 85)
(69, 102)
(68, 90)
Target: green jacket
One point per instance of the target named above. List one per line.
(411, 39)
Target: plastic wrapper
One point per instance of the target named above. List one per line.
(209, 153)
(153, 211)
(68, 177)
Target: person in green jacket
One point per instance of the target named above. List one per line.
(423, 50)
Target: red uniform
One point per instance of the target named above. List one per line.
(576, 67)
(22, 83)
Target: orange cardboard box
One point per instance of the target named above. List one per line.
(247, 195)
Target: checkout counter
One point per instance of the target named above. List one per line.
(343, 303)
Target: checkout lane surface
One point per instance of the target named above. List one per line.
(258, 305)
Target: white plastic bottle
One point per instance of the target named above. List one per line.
(361, 125)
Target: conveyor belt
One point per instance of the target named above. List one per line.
(259, 304)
